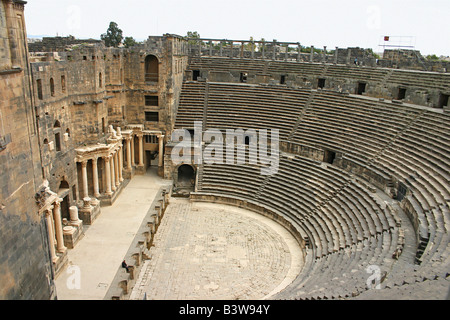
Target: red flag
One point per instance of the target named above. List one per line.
(386, 38)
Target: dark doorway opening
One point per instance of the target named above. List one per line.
(195, 75)
(185, 183)
(361, 88)
(443, 100)
(321, 83)
(283, 79)
(329, 156)
(401, 93)
(186, 175)
(63, 192)
(401, 192)
(152, 158)
(243, 78)
(65, 213)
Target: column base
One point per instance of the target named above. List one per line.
(140, 170)
(128, 173)
(89, 214)
(72, 234)
(108, 199)
(161, 172)
(60, 262)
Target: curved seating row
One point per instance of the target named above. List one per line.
(345, 224)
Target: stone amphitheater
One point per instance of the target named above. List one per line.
(358, 207)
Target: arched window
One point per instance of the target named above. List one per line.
(57, 132)
(151, 69)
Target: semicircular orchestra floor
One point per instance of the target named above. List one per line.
(211, 251)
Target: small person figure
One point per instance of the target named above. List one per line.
(124, 265)
(356, 61)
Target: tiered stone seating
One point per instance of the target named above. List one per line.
(420, 79)
(298, 191)
(233, 106)
(298, 68)
(226, 64)
(191, 104)
(420, 159)
(357, 73)
(359, 128)
(347, 227)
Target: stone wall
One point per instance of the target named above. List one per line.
(56, 44)
(26, 268)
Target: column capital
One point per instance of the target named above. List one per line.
(57, 203)
(49, 211)
(84, 163)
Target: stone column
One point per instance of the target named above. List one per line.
(84, 178)
(311, 55)
(263, 50)
(324, 54)
(113, 178)
(95, 177)
(58, 227)
(274, 50)
(252, 44)
(74, 218)
(141, 150)
(51, 236)
(231, 46)
(120, 163)
(116, 168)
(336, 56)
(129, 153)
(108, 175)
(133, 162)
(299, 52)
(161, 151)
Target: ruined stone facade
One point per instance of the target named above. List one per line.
(26, 266)
(76, 125)
(78, 122)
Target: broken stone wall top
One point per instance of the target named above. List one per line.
(57, 44)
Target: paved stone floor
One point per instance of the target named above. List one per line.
(94, 261)
(210, 251)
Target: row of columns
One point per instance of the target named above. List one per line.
(274, 45)
(55, 230)
(131, 161)
(113, 172)
(114, 165)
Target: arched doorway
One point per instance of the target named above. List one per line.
(151, 69)
(63, 192)
(186, 175)
(185, 180)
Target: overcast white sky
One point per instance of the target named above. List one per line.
(331, 23)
